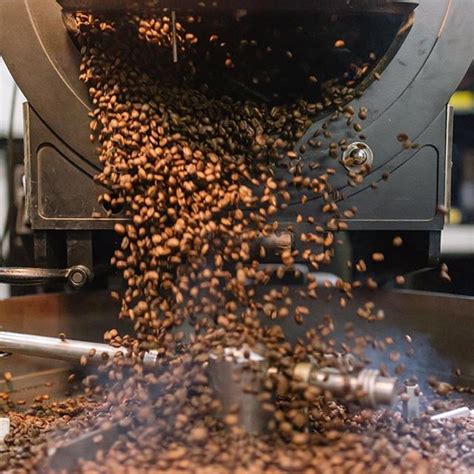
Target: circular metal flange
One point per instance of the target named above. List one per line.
(358, 157)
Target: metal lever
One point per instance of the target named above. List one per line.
(76, 276)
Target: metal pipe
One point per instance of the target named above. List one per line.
(76, 276)
(456, 413)
(69, 350)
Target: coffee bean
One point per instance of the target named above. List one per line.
(400, 280)
(378, 257)
(397, 241)
(199, 434)
(231, 420)
(363, 112)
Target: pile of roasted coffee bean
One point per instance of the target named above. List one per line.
(204, 179)
(366, 442)
(25, 447)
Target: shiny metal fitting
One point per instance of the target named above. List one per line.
(376, 389)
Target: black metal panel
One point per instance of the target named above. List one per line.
(413, 89)
(409, 189)
(61, 192)
(414, 188)
(79, 248)
(63, 189)
(409, 195)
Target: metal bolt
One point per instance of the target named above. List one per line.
(359, 156)
(77, 278)
(79, 275)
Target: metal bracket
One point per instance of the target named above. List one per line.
(411, 403)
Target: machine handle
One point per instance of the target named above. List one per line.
(76, 276)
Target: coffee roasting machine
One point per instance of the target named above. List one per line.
(423, 51)
(423, 48)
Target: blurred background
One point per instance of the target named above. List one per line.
(457, 239)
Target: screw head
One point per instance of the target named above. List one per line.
(358, 157)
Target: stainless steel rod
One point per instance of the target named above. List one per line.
(55, 348)
(456, 413)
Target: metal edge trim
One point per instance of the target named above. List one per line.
(448, 159)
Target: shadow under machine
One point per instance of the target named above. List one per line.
(422, 49)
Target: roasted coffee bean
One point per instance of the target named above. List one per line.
(400, 280)
(363, 112)
(378, 257)
(397, 241)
